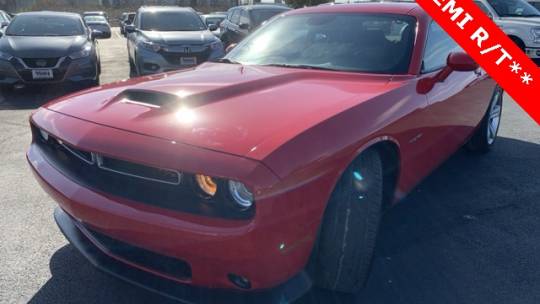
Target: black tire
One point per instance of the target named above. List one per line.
(225, 40)
(518, 42)
(482, 141)
(132, 68)
(343, 252)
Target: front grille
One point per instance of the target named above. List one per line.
(163, 264)
(139, 171)
(58, 73)
(174, 57)
(152, 186)
(41, 62)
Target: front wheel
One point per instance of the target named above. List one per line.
(132, 68)
(485, 136)
(342, 255)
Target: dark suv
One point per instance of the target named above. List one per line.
(242, 20)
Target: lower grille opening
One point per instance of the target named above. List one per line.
(160, 263)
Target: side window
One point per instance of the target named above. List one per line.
(235, 17)
(244, 17)
(438, 46)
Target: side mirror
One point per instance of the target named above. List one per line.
(244, 26)
(212, 27)
(461, 62)
(4, 24)
(130, 28)
(456, 62)
(230, 47)
(95, 34)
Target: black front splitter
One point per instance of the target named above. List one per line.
(285, 293)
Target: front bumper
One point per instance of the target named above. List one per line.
(268, 249)
(534, 54)
(16, 71)
(284, 293)
(149, 62)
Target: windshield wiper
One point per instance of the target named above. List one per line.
(301, 66)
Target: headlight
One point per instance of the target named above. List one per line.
(536, 34)
(206, 184)
(5, 56)
(149, 45)
(85, 52)
(223, 193)
(241, 194)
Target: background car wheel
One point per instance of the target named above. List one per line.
(518, 42)
(225, 40)
(132, 68)
(486, 134)
(342, 256)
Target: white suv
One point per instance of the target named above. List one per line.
(519, 20)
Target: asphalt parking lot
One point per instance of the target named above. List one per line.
(470, 233)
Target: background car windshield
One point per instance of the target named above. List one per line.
(514, 8)
(371, 43)
(213, 20)
(95, 19)
(171, 21)
(32, 25)
(259, 16)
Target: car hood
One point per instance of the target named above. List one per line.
(180, 38)
(523, 20)
(41, 47)
(240, 110)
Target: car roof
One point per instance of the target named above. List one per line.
(402, 8)
(166, 9)
(214, 15)
(95, 12)
(51, 14)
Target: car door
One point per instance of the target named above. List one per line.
(457, 104)
(132, 37)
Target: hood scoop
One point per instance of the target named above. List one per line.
(147, 98)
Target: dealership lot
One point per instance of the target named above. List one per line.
(469, 234)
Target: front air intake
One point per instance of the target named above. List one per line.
(148, 98)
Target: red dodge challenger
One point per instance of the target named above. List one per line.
(276, 161)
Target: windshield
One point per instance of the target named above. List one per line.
(259, 16)
(514, 8)
(95, 19)
(32, 25)
(374, 43)
(171, 21)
